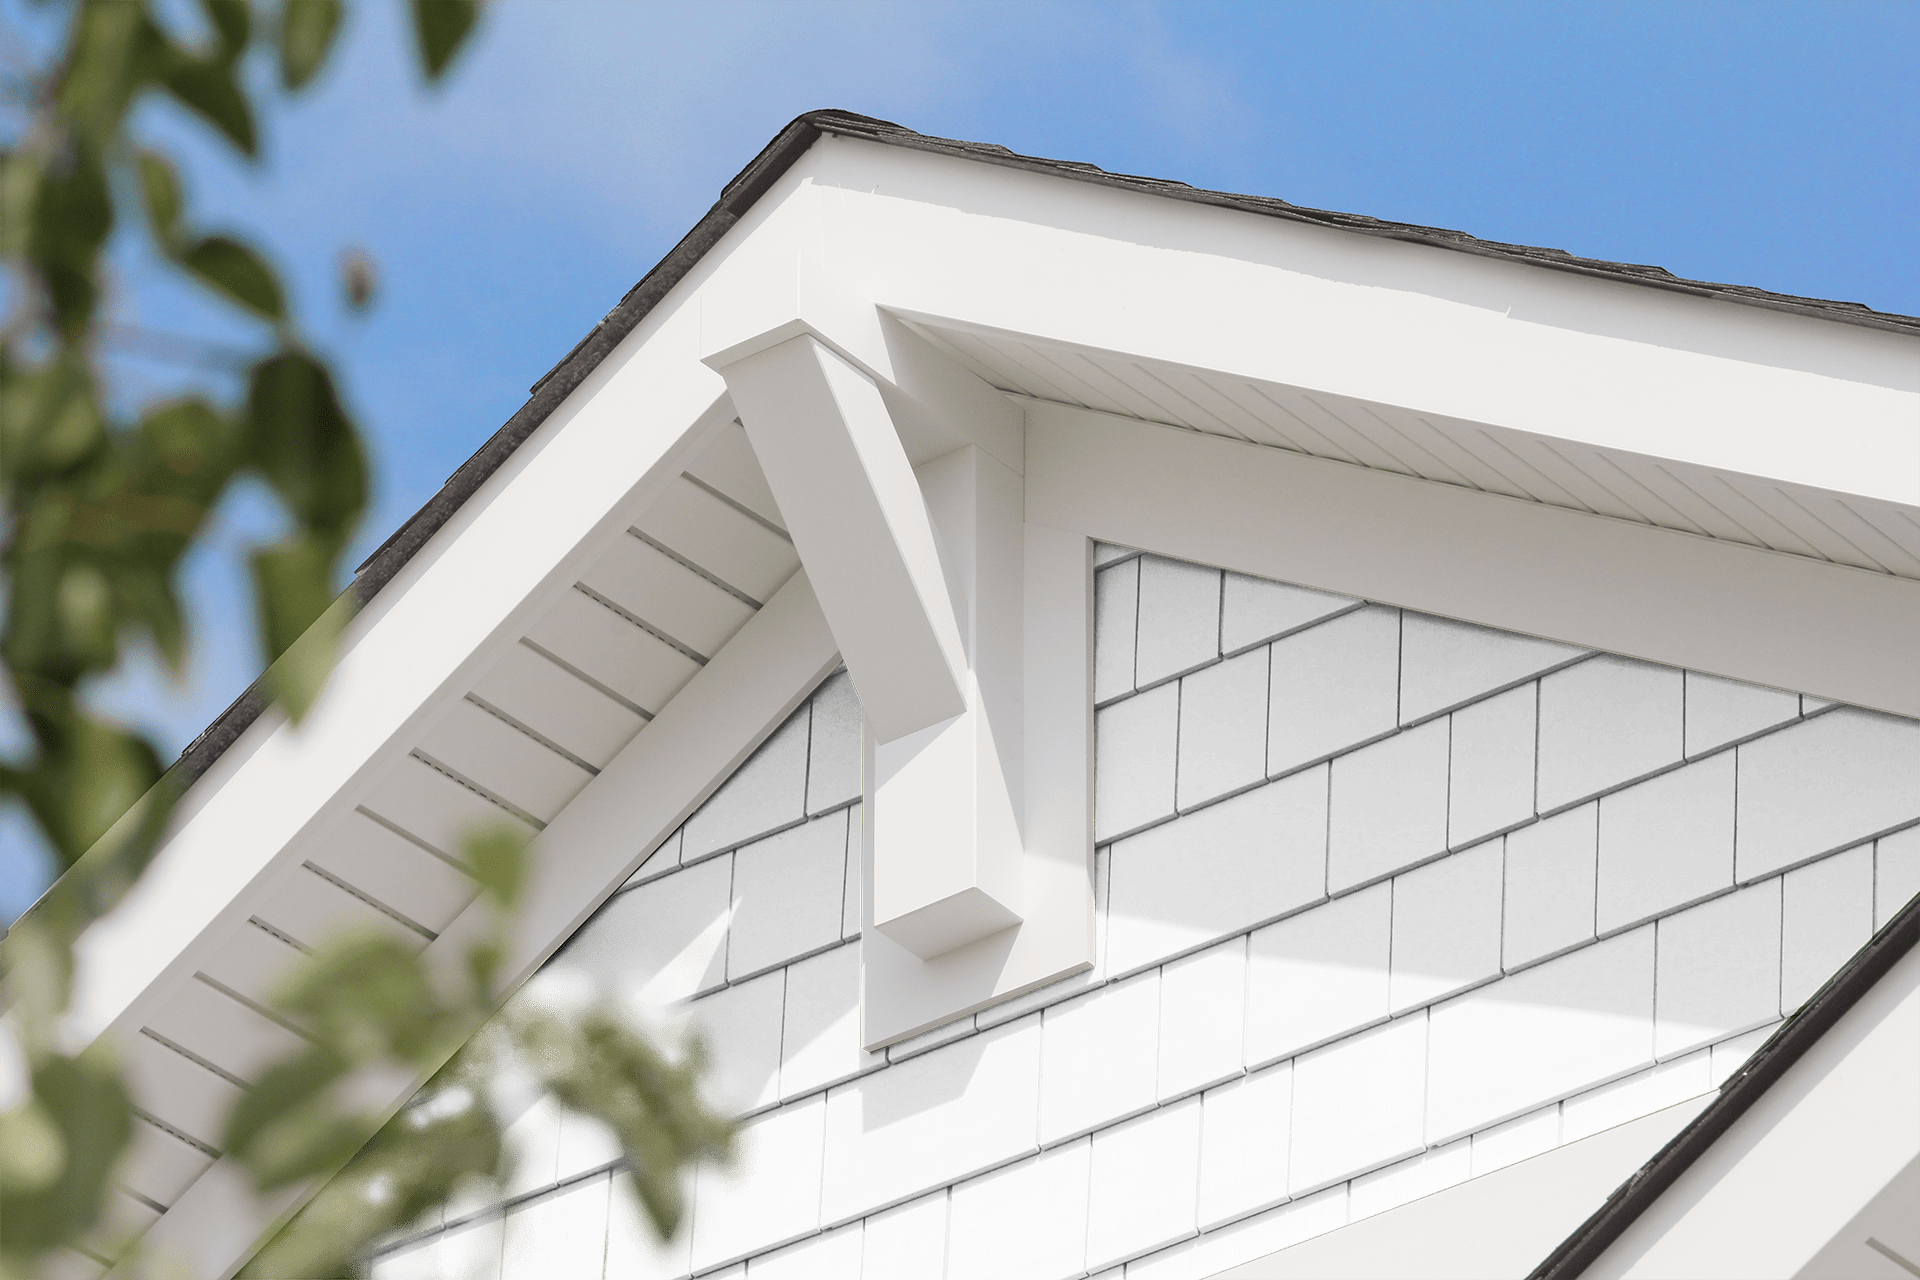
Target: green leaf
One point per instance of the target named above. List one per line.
(207, 86)
(20, 175)
(160, 190)
(497, 857)
(32, 1152)
(299, 439)
(187, 447)
(115, 51)
(238, 272)
(600, 1068)
(84, 1102)
(50, 420)
(231, 21)
(448, 1138)
(368, 997)
(297, 1137)
(70, 223)
(89, 775)
(307, 30)
(83, 602)
(39, 978)
(294, 585)
(442, 27)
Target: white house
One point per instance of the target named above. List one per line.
(1158, 733)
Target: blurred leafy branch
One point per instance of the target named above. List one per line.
(369, 1004)
(100, 507)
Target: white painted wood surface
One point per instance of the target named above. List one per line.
(1550, 432)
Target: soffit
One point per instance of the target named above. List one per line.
(1802, 520)
(605, 653)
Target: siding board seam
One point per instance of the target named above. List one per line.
(1072, 1142)
(281, 934)
(744, 510)
(499, 801)
(252, 1004)
(414, 840)
(175, 1131)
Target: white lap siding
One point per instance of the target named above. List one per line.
(1129, 1123)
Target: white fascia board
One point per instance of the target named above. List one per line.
(1818, 1147)
(1651, 593)
(1497, 1226)
(1611, 364)
(628, 427)
(524, 534)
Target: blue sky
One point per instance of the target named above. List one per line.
(1776, 145)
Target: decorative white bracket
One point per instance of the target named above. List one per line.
(977, 882)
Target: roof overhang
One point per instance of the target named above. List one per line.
(1668, 472)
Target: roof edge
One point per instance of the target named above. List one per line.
(546, 395)
(753, 181)
(1854, 313)
(1769, 1063)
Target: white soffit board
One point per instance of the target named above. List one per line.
(1779, 620)
(684, 586)
(1779, 515)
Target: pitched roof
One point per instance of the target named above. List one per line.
(747, 189)
(752, 182)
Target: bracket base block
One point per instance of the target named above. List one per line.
(954, 921)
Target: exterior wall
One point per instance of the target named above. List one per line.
(1386, 902)
(1402, 357)
(1035, 1198)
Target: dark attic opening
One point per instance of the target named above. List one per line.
(1381, 814)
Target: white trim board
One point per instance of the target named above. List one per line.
(1649, 593)
(1799, 1172)
(1497, 1226)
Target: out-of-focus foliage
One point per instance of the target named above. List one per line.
(371, 1004)
(646, 1094)
(100, 507)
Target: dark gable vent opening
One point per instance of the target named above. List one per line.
(1310, 778)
